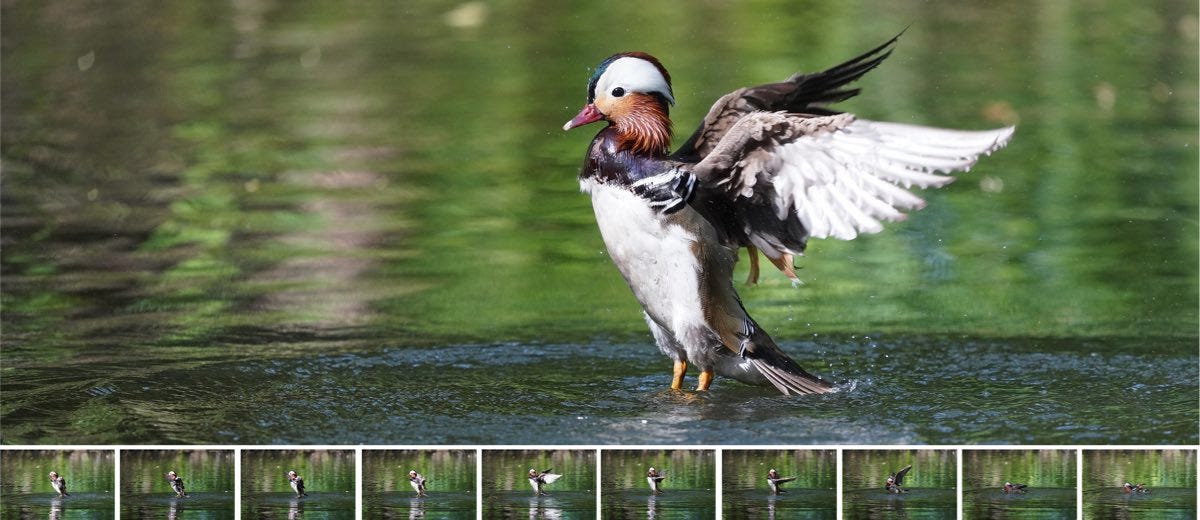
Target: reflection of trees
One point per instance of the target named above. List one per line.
(1156, 468)
(867, 469)
(263, 471)
(1038, 468)
(202, 470)
(813, 469)
(85, 470)
(445, 470)
(685, 469)
(508, 469)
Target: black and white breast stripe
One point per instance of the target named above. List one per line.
(669, 191)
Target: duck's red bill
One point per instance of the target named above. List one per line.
(589, 114)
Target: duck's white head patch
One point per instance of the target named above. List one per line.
(623, 73)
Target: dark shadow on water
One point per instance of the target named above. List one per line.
(807, 504)
(435, 506)
(564, 505)
(1161, 504)
(1046, 503)
(90, 505)
(330, 506)
(917, 503)
(216, 506)
(679, 504)
(1018, 391)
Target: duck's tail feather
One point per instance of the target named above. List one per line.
(789, 378)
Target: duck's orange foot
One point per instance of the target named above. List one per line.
(679, 369)
(706, 378)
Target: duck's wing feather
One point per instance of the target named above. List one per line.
(782, 480)
(900, 474)
(549, 478)
(806, 93)
(776, 179)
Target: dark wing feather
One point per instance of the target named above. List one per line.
(900, 474)
(806, 93)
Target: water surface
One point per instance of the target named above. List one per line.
(366, 221)
(449, 481)
(25, 490)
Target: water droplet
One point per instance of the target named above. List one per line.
(311, 57)
(86, 61)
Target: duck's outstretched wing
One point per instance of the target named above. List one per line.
(802, 93)
(776, 179)
(549, 478)
(782, 480)
(900, 474)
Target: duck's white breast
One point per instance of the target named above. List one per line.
(653, 252)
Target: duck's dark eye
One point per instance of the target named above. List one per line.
(618, 92)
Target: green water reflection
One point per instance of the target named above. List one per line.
(1049, 474)
(449, 480)
(328, 480)
(1169, 474)
(208, 477)
(689, 490)
(507, 492)
(25, 490)
(236, 194)
(745, 493)
(930, 484)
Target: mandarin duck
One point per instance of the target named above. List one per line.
(1138, 489)
(176, 484)
(775, 481)
(540, 479)
(768, 168)
(417, 481)
(654, 478)
(895, 480)
(297, 483)
(1010, 488)
(59, 484)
